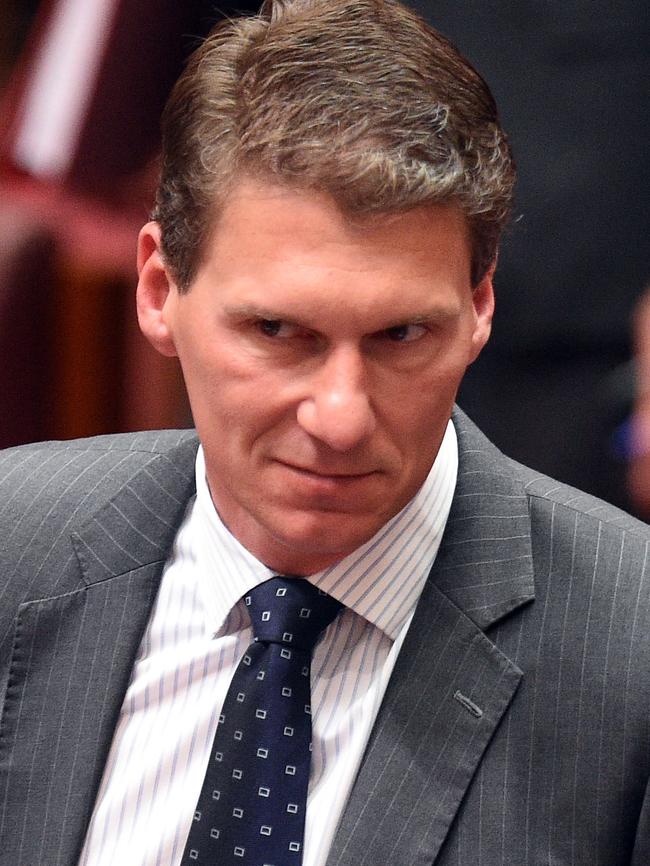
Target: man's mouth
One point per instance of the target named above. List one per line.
(326, 474)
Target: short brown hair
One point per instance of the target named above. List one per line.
(360, 99)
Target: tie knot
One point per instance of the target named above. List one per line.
(290, 611)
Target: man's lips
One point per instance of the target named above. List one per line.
(327, 474)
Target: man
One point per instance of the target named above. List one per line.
(334, 184)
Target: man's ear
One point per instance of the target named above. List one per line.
(156, 291)
(483, 301)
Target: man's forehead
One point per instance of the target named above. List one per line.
(250, 194)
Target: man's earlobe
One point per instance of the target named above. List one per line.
(155, 292)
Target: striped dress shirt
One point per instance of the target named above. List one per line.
(197, 633)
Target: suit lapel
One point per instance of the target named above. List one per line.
(72, 660)
(451, 685)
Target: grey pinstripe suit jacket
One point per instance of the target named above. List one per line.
(515, 729)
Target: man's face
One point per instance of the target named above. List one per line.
(321, 359)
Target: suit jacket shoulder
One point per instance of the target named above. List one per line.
(49, 490)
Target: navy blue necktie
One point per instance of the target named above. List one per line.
(251, 810)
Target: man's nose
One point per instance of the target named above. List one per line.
(338, 410)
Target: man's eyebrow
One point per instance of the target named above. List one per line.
(254, 311)
(439, 315)
(436, 315)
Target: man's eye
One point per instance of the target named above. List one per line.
(405, 333)
(274, 327)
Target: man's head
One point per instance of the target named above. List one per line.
(321, 264)
(359, 99)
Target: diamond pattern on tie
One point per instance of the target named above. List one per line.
(251, 810)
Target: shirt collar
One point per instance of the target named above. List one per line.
(381, 580)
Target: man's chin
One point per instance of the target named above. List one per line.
(315, 540)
